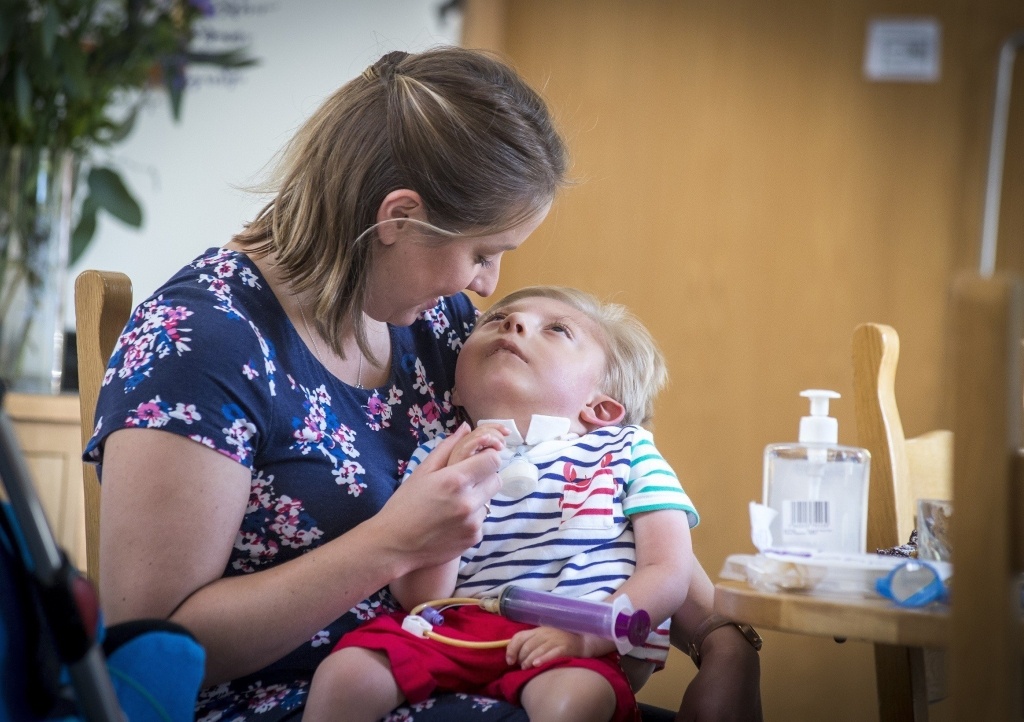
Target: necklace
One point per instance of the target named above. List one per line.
(316, 350)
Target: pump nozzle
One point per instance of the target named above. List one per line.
(819, 426)
(819, 400)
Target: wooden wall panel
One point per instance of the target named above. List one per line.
(753, 198)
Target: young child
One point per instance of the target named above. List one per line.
(608, 517)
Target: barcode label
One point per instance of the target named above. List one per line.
(807, 515)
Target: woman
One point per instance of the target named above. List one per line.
(296, 369)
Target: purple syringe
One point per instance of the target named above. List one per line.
(615, 621)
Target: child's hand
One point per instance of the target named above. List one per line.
(487, 436)
(534, 647)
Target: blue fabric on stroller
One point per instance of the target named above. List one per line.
(52, 665)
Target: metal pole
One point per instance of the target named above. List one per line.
(997, 152)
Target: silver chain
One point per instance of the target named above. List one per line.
(316, 349)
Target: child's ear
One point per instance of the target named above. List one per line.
(602, 410)
(455, 396)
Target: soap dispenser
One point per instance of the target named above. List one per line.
(818, 489)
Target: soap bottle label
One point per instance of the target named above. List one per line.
(819, 506)
(804, 519)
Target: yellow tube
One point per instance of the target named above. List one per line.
(489, 605)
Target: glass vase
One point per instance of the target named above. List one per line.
(36, 194)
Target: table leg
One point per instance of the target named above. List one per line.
(902, 692)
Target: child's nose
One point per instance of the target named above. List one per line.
(513, 323)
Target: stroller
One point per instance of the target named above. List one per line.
(57, 660)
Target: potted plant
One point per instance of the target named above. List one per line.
(73, 74)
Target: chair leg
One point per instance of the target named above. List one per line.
(902, 691)
(935, 676)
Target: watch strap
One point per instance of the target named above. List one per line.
(713, 622)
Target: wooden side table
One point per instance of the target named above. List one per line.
(48, 429)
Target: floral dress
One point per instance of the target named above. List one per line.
(212, 356)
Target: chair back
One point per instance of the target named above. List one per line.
(987, 325)
(902, 470)
(103, 304)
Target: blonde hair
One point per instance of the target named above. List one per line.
(635, 371)
(457, 126)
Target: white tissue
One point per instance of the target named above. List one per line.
(761, 518)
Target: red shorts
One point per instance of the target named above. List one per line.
(421, 666)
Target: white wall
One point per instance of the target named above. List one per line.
(187, 175)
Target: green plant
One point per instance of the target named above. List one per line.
(73, 74)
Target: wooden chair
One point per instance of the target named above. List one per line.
(987, 325)
(902, 471)
(103, 303)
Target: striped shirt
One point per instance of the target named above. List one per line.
(573, 535)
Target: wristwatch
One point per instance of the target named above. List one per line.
(712, 623)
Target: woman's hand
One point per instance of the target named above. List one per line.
(438, 512)
(727, 685)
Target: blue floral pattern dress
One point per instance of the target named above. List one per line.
(213, 357)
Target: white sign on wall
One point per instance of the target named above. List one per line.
(903, 49)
